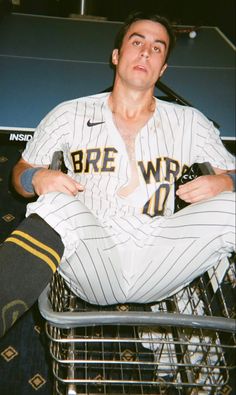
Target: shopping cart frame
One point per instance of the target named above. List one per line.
(87, 343)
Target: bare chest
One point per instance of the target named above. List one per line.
(128, 132)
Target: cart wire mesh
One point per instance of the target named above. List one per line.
(182, 345)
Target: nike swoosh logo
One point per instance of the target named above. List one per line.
(90, 124)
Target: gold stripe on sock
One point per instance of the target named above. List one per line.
(38, 243)
(33, 251)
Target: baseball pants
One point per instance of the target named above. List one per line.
(137, 258)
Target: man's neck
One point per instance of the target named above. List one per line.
(132, 105)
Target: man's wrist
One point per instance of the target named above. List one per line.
(26, 178)
(233, 178)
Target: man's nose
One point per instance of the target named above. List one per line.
(145, 51)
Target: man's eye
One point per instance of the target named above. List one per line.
(156, 49)
(137, 43)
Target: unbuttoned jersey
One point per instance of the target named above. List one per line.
(96, 156)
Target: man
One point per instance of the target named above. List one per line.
(110, 222)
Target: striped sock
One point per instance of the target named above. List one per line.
(28, 259)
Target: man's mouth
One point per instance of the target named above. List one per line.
(139, 67)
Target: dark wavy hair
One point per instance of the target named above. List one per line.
(139, 16)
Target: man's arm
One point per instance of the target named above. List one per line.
(205, 187)
(44, 180)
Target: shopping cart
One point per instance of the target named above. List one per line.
(182, 345)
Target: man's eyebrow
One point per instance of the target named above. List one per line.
(136, 34)
(142, 36)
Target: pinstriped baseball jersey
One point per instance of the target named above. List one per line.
(96, 156)
(132, 248)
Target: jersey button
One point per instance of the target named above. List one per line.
(168, 212)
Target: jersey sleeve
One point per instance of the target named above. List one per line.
(208, 145)
(49, 136)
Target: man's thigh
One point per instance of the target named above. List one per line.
(182, 247)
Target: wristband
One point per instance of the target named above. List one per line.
(233, 178)
(26, 178)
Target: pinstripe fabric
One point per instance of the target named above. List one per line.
(114, 252)
(138, 258)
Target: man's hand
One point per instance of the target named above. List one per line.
(204, 187)
(46, 180)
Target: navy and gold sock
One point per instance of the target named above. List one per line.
(28, 259)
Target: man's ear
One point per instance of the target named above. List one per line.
(163, 69)
(115, 56)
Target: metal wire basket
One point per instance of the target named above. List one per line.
(182, 345)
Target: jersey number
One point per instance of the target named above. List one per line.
(156, 204)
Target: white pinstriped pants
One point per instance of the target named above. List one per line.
(138, 258)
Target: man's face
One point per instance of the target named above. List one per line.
(141, 59)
